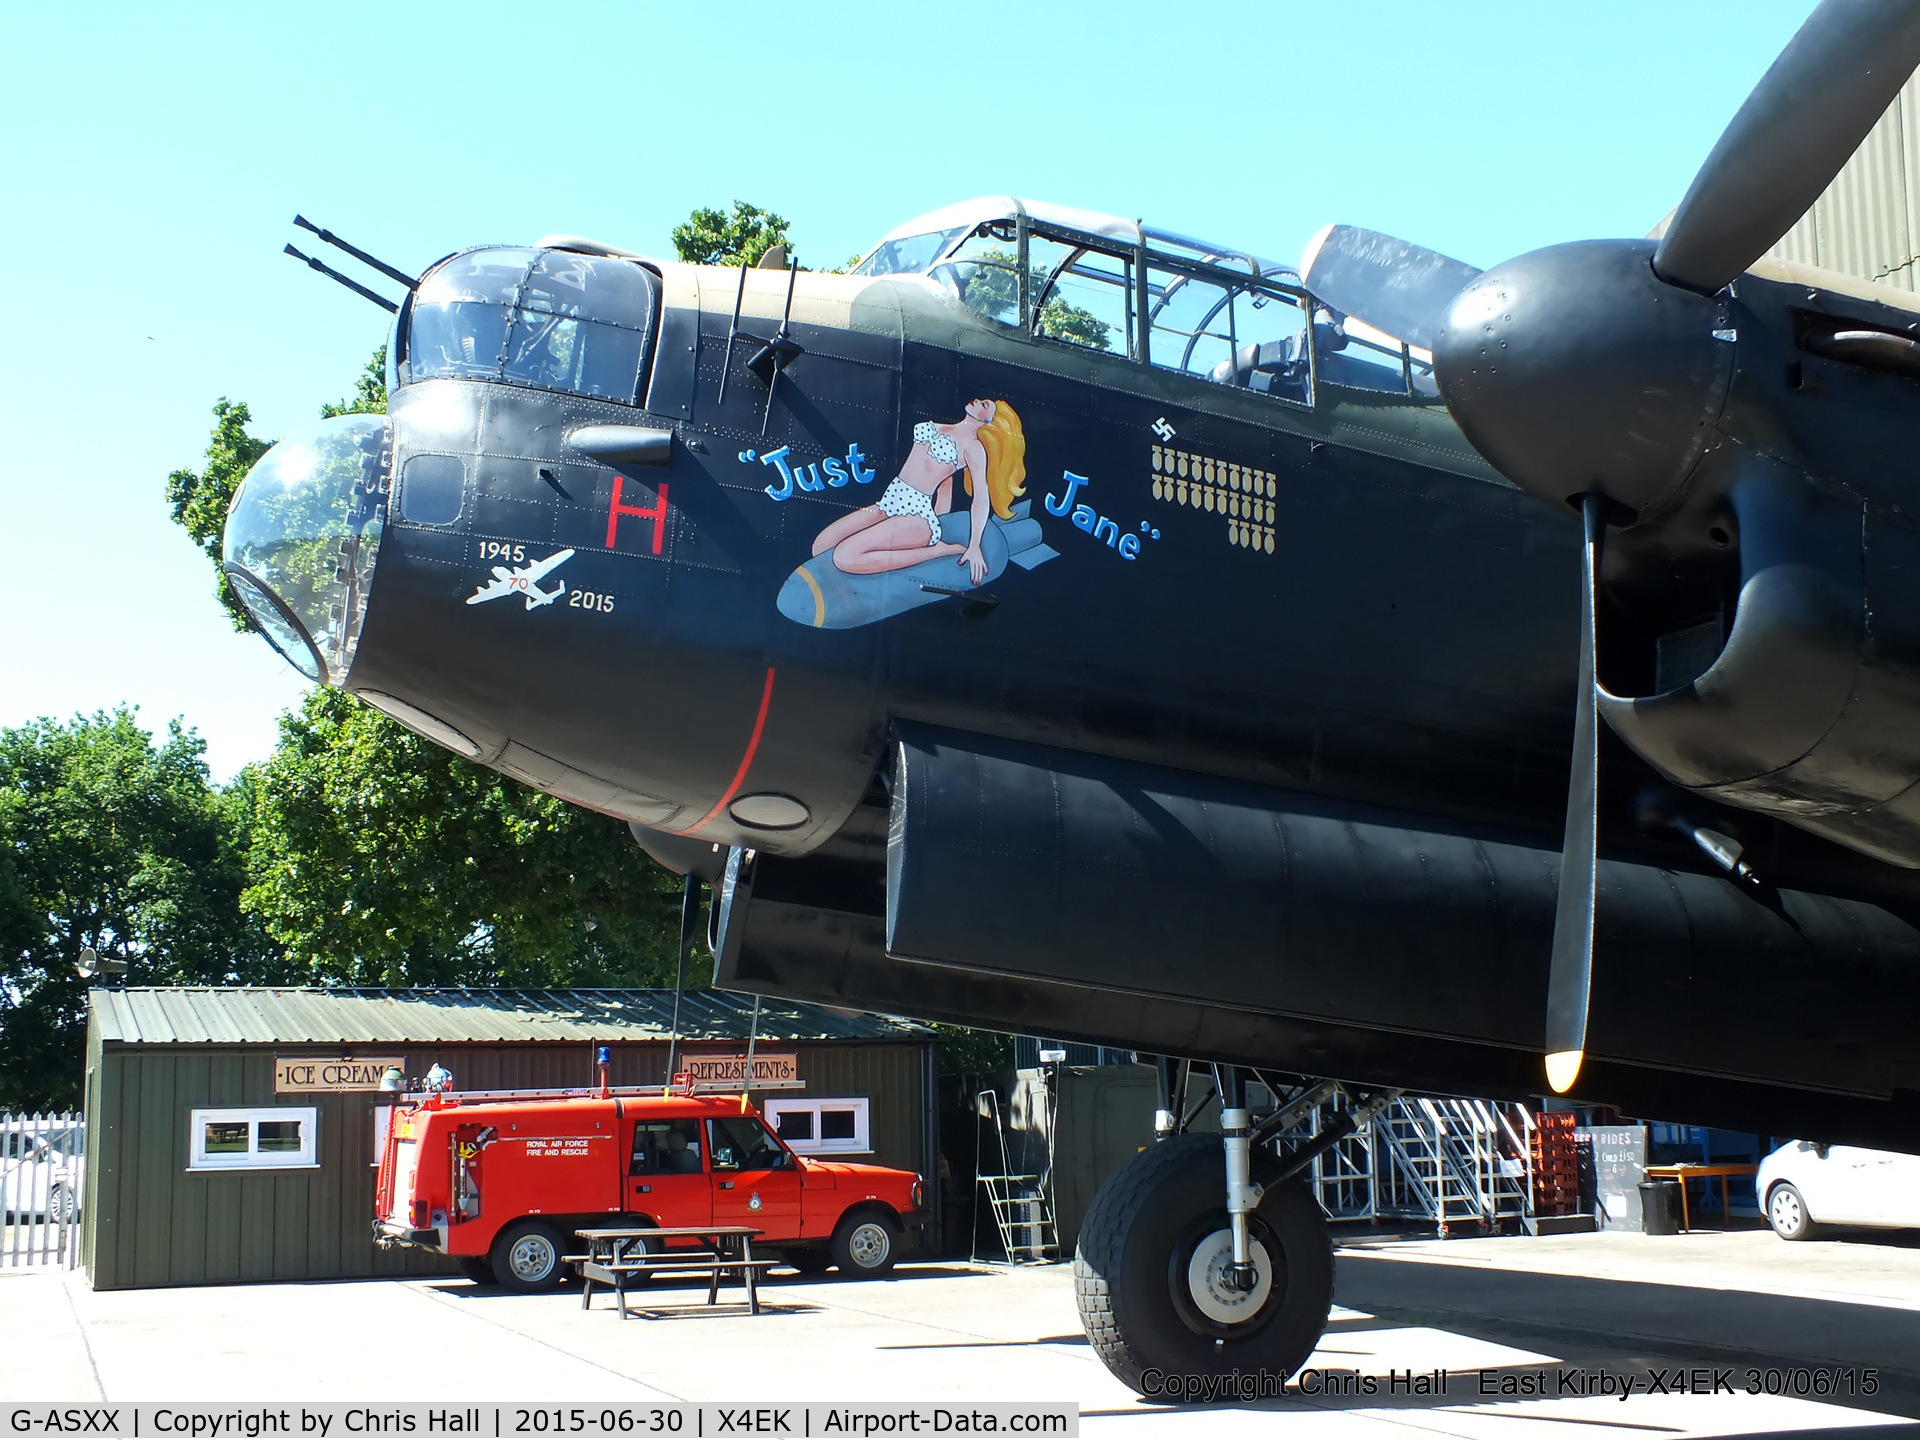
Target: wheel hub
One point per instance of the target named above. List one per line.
(530, 1259)
(1786, 1210)
(1210, 1280)
(868, 1244)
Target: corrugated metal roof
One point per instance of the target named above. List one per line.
(246, 1015)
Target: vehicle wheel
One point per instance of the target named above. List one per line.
(1787, 1214)
(63, 1206)
(1149, 1272)
(476, 1269)
(526, 1257)
(811, 1261)
(864, 1244)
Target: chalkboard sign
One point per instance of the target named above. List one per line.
(1613, 1162)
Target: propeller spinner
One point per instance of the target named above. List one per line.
(1592, 373)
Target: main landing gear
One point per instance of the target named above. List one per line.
(1206, 1255)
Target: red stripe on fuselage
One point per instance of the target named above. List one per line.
(746, 760)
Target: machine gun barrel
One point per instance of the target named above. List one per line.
(353, 285)
(329, 238)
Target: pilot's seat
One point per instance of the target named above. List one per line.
(1277, 367)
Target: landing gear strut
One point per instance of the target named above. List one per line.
(1180, 1278)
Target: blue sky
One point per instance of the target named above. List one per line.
(152, 157)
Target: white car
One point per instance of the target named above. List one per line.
(42, 1172)
(1803, 1186)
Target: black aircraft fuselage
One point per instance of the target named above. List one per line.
(1249, 743)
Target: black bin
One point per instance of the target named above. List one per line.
(1659, 1207)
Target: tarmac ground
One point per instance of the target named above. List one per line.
(1465, 1338)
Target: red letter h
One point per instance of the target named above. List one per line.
(657, 513)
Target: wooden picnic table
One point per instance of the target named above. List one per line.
(1684, 1173)
(612, 1257)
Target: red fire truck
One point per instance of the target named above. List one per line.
(500, 1180)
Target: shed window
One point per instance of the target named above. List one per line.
(822, 1127)
(278, 1138)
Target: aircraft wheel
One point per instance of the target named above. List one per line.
(1149, 1275)
(1787, 1214)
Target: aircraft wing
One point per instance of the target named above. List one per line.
(537, 569)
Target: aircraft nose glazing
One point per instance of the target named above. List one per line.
(302, 536)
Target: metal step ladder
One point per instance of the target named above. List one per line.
(1343, 1177)
(1451, 1161)
(1022, 1213)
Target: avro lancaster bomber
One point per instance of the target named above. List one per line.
(1064, 625)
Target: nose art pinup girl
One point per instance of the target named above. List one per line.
(903, 527)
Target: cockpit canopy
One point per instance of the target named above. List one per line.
(1150, 295)
(552, 319)
(915, 246)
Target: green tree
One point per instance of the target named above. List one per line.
(379, 858)
(715, 237)
(965, 1051)
(113, 842)
(1060, 320)
(990, 286)
(199, 500)
(369, 391)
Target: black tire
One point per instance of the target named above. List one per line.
(811, 1261)
(63, 1206)
(1152, 1227)
(1788, 1215)
(479, 1271)
(865, 1244)
(526, 1257)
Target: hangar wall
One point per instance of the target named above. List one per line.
(1867, 222)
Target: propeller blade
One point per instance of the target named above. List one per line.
(1570, 972)
(1393, 285)
(1802, 122)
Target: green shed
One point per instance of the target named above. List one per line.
(231, 1131)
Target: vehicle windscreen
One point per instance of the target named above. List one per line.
(545, 318)
(742, 1143)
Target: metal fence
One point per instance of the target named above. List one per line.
(42, 1175)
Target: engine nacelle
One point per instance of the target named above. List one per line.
(1811, 710)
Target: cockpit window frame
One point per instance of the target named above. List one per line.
(1329, 341)
(516, 310)
(1033, 306)
(1233, 282)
